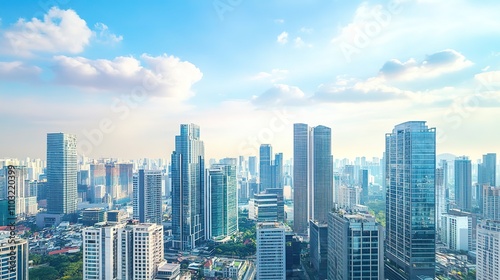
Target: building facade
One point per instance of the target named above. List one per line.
(271, 256)
(122, 251)
(410, 202)
(463, 183)
(13, 257)
(487, 252)
(355, 247)
(61, 173)
(147, 201)
(188, 185)
(221, 202)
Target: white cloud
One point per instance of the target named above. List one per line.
(279, 21)
(103, 35)
(59, 31)
(434, 65)
(17, 70)
(282, 38)
(163, 75)
(299, 43)
(274, 76)
(280, 95)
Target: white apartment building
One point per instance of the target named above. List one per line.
(455, 231)
(122, 251)
(271, 256)
(488, 250)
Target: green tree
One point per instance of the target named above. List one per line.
(43, 273)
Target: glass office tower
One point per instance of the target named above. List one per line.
(410, 202)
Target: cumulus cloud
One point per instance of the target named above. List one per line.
(434, 65)
(280, 95)
(59, 31)
(163, 75)
(282, 38)
(17, 70)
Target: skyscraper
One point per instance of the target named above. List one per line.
(301, 177)
(463, 183)
(188, 183)
(354, 247)
(271, 256)
(410, 201)
(363, 182)
(147, 196)
(252, 165)
(265, 167)
(487, 170)
(322, 173)
(61, 173)
(277, 171)
(312, 175)
(221, 202)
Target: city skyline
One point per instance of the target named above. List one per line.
(353, 65)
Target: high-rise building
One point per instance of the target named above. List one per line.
(410, 202)
(363, 183)
(265, 167)
(491, 203)
(301, 176)
(252, 166)
(322, 173)
(318, 242)
(25, 203)
(487, 170)
(13, 257)
(120, 251)
(312, 175)
(125, 178)
(488, 255)
(271, 257)
(280, 202)
(147, 196)
(277, 171)
(264, 207)
(463, 183)
(221, 204)
(486, 176)
(355, 247)
(188, 183)
(455, 231)
(440, 197)
(61, 173)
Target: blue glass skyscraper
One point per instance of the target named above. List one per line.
(188, 167)
(61, 173)
(410, 202)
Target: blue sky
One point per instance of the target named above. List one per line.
(122, 77)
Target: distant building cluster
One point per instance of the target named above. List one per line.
(411, 214)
